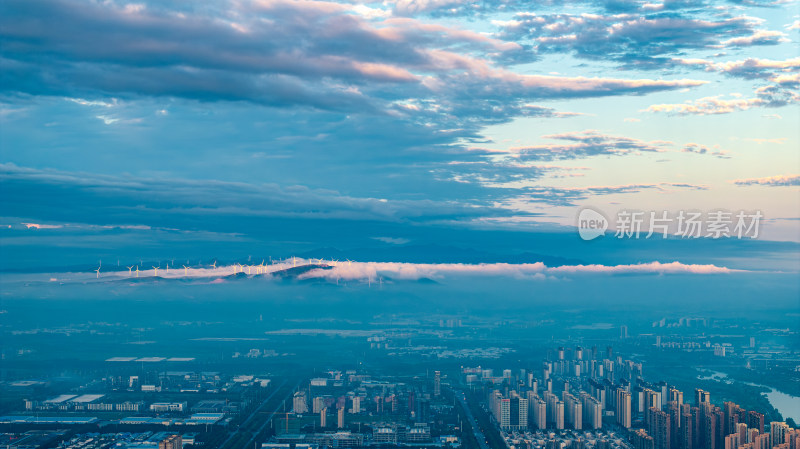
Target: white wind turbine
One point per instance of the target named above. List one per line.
(137, 271)
(155, 271)
(185, 270)
(129, 270)
(98, 272)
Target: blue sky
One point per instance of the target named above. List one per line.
(226, 120)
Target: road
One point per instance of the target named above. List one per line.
(271, 415)
(476, 430)
(252, 416)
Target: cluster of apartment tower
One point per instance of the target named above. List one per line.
(706, 426)
(614, 388)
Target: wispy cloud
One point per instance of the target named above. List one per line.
(771, 181)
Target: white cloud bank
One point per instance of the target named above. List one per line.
(373, 272)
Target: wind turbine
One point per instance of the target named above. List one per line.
(137, 271)
(349, 262)
(98, 272)
(185, 270)
(129, 270)
(155, 271)
(214, 264)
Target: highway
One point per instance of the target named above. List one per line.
(245, 424)
(479, 436)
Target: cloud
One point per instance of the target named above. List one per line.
(293, 53)
(375, 272)
(760, 37)
(783, 77)
(771, 181)
(776, 141)
(634, 40)
(569, 196)
(127, 200)
(392, 240)
(408, 271)
(756, 68)
(768, 96)
(703, 149)
(41, 226)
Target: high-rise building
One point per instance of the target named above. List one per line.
(686, 430)
(573, 411)
(701, 396)
(651, 400)
(538, 413)
(731, 411)
(592, 412)
(318, 403)
(623, 331)
(641, 440)
(510, 412)
(755, 420)
(659, 428)
(323, 417)
(299, 403)
(777, 432)
(762, 441)
(676, 395)
(623, 408)
(437, 383)
(741, 430)
(356, 404)
(710, 424)
(340, 418)
(732, 441)
(171, 442)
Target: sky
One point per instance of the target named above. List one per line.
(430, 131)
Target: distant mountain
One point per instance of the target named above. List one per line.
(297, 271)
